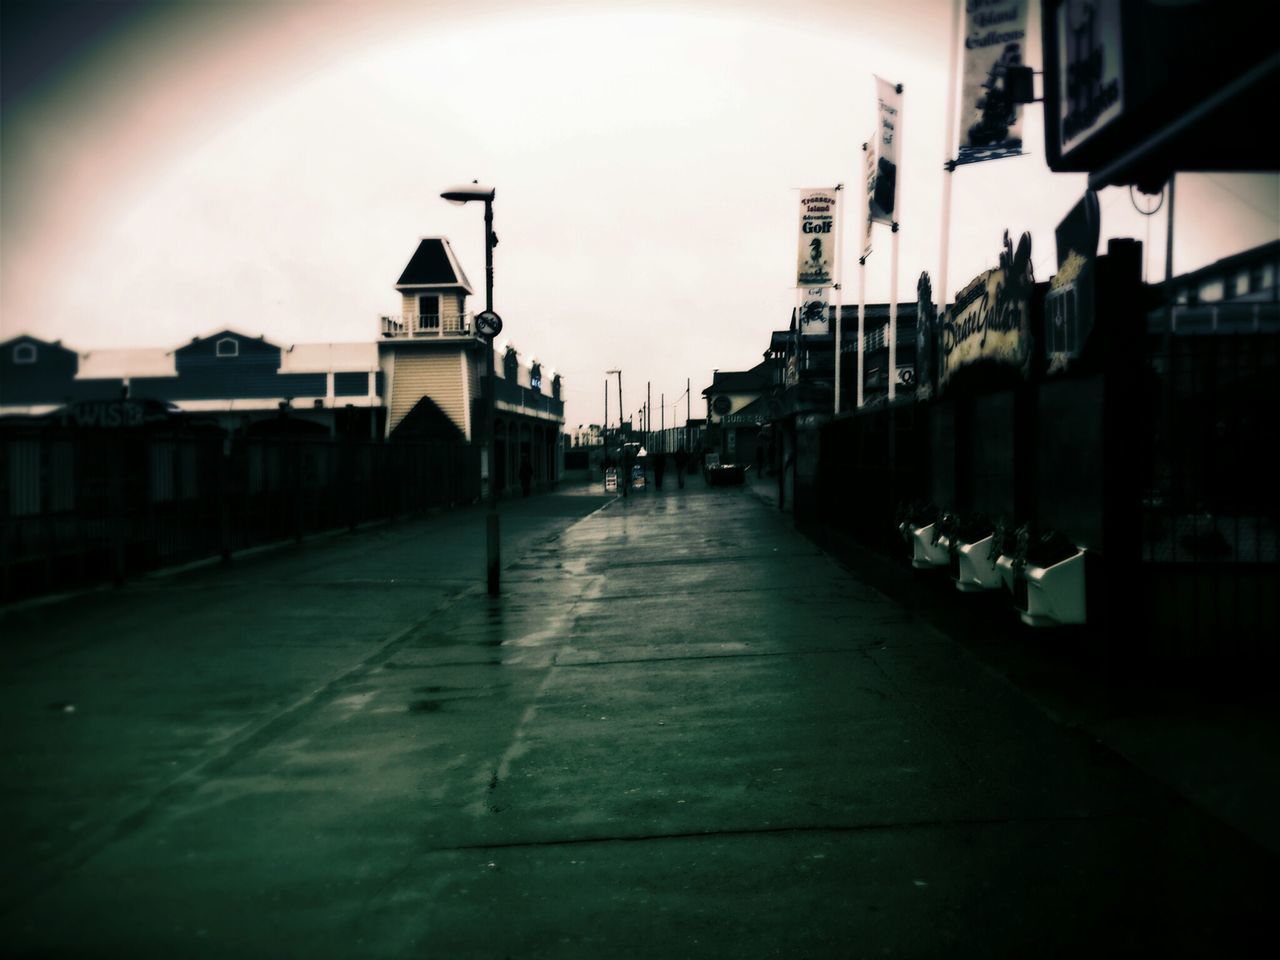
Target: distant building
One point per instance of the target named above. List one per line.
(422, 378)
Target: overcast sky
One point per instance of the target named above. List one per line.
(170, 170)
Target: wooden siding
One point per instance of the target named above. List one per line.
(433, 374)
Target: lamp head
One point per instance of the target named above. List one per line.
(465, 192)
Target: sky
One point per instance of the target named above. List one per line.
(170, 170)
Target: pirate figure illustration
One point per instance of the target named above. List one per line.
(999, 112)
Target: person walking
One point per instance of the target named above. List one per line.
(682, 461)
(659, 468)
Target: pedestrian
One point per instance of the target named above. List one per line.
(682, 461)
(659, 468)
(526, 476)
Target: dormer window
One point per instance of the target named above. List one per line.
(24, 353)
(227, 347)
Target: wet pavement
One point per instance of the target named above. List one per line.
(681, 731)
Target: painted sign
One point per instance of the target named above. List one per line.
(995, 40)
(882, 184)
(108, 414)
(990, 320)
(814, 311)
(816, 265)
(1091, 91)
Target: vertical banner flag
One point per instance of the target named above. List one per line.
(995, 39)
(814, 311)
(817, 260)
(869, 155)
(882, 182)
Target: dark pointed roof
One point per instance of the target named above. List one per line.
(426, 421)
(759, 377)
(433, 264)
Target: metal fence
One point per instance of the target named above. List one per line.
(86, 507)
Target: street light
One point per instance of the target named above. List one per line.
(489, 325)
(622, 479)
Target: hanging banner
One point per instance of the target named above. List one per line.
(814, 311)
(991, 318)
(818, 227)
(869, 155)
(882, 182)
(995, 39)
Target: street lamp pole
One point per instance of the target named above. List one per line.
(488, 325)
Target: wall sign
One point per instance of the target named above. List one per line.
(990, 320)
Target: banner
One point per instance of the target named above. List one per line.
(869, 154)
(818, 227)
(882, 180)
(813, 313)
(991, 318)
(995, 39)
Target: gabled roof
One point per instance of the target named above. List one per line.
(759, 377)
(433, 264)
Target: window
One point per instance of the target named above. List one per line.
(24, 353)
(1264, 276)
(428, 313)
(1241, 286)
(227, 347)
(1211, 291)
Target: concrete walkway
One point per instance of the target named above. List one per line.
(682, 731)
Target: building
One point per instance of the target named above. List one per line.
(422, 378)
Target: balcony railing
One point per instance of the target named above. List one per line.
(426, 325)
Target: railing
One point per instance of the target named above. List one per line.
(422, 325)
(88, 506)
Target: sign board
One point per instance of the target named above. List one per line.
(611, 480)
(813, 312)
(1069, 305)
(926, 366)
(816, 264)
(713, 459)
(106, 414)
(991, 317)
(1090, 84)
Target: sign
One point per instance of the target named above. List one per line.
(990, 320)
(1069, 305)
(813, 312)
(721, 405)
(995, 40)
(869, 154)
(792, 376)
(488, 323)
(882, 183)
(611, 480)
(1090, 88)
(713, 459)
(109, 414)
(816, 264)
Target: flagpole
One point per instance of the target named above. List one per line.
(862, 278)
(893, 268)
(862, 311)
(949, 167)
(839, 284)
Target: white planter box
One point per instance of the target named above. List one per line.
(925, 553)
(977, 572)
(1055, 595)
